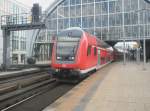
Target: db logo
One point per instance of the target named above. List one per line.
(63, 65)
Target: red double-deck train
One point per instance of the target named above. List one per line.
(76, 53)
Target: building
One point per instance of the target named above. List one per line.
(18, 38)
(107, 19)
(110, 20)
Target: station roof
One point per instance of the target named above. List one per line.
(53, 6)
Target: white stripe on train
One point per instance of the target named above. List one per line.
(93, 68)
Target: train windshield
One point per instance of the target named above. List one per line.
(67, 44)
(67, 48)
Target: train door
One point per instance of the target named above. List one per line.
(99, 57)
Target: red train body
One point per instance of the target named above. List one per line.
(76, 52)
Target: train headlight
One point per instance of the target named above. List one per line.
(71, 58)
(58, 58)
(56, 70)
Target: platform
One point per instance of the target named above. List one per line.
(113, 88)
(43, 64)
(15, 73)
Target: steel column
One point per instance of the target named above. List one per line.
(6, 49)
(124, 53)
(144, 54)
(138, 55)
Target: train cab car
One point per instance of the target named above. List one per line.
(76, 52)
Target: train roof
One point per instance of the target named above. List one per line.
(74, 31)
(104, 45)
(77, 32)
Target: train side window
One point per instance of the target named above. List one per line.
(95, 51)
(89, 50)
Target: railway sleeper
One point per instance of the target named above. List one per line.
(14, 96)
(29, 82)
(8, 88)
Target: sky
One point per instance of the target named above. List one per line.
(43, 3)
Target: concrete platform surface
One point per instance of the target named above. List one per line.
(114, 88)
(43, 62)
(16, 72)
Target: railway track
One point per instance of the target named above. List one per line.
(32, 90)
(46, 95)
(16, 87)
(33, 93)
(20, 75)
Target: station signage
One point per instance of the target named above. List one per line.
(67, 39)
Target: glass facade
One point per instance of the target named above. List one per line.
(18, 38)
(107, 19)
